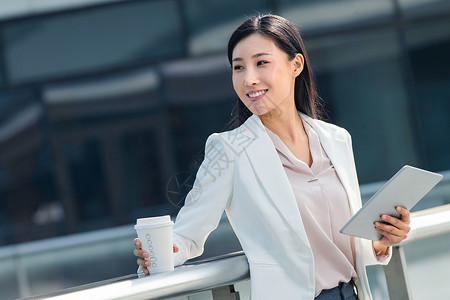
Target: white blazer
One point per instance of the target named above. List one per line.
(243, 175)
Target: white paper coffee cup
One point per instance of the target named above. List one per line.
(155, 235)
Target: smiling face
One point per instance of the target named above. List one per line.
(263, 75)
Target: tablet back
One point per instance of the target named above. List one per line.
(405, 189)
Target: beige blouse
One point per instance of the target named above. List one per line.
(324, 208)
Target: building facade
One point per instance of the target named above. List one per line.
(105, 107)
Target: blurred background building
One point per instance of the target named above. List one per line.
(105, 105)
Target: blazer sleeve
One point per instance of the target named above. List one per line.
(206, 202)
(368, 252)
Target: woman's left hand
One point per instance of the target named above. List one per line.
(394, 231)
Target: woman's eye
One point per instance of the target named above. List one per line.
(261, 62)
(237, 68)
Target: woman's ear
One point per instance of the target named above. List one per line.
(298, 63)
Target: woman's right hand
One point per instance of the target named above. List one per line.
(143, 255)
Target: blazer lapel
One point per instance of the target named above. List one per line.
(339, 153)
(269, 170)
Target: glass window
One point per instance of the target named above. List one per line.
(2, 80)
(325, 15)
(428, 46)
(4, 214)
(143, 174)
(210, 23)
(12, 103)
(85, 168)
(420, 8)
(360, 78)
(191, 125)
(30, 208)
(92, 40)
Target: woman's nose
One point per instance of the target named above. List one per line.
(251, 78)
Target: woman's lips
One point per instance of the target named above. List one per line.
(256, 95)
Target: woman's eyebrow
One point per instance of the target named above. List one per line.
(256, 55)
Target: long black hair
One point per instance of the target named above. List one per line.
(287, 37)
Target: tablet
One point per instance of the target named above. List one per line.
(405, 189)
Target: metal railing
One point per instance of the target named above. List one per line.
(220, 275)
(426, 223)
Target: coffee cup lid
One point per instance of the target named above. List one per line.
(153, 222)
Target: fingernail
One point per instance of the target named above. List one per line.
(383, 217)
(147, 263)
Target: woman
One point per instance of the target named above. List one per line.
(286, 180)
